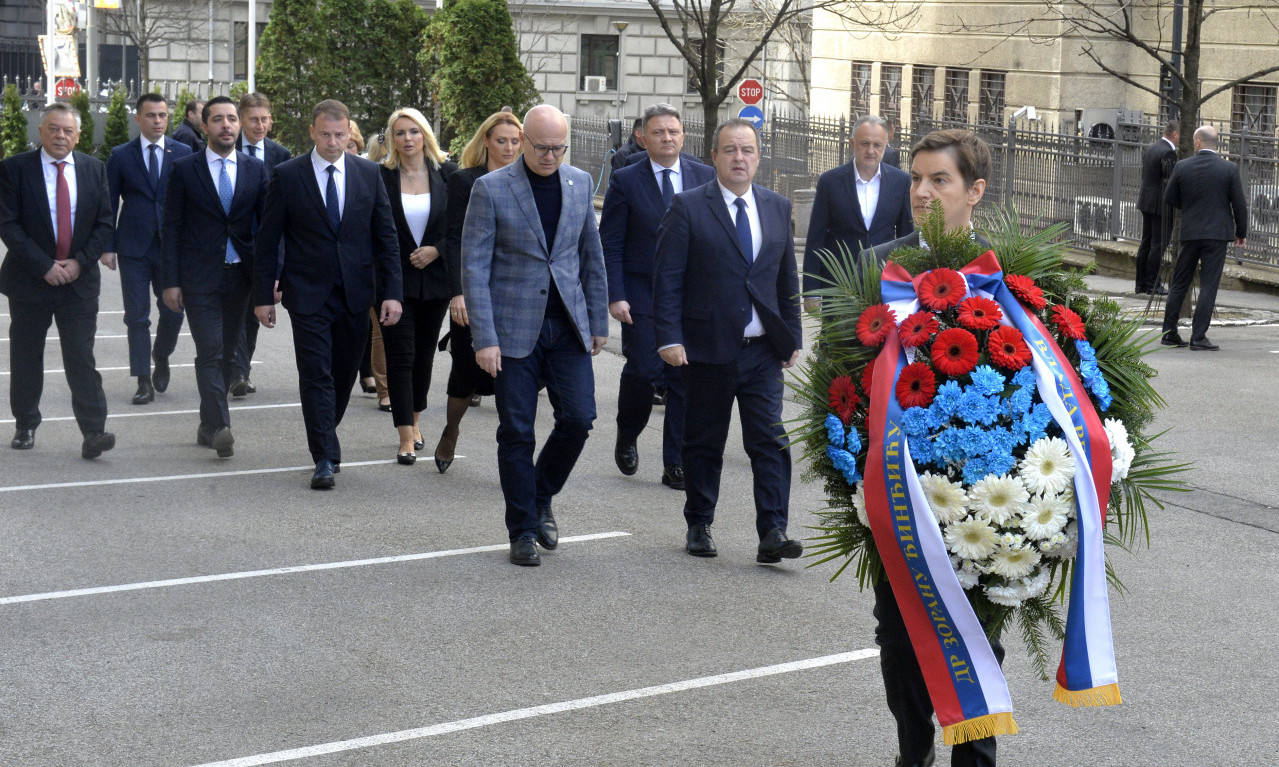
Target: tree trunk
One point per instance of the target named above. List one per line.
(1191, 91)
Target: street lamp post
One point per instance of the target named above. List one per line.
(620, 26)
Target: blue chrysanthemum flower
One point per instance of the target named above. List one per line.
(854, 443)
(1025, 378)
(975, 469)
(921, 450)
(834, 430)
(947, 398)
(987, 380)
(1086, 352)
(845, 463)
(915, 421)
(1020, 401)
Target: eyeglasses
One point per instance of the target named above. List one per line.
(543, 151)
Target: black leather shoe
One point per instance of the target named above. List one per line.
(23, 439)
(627, 456)
(927, 761)
(160, 374)
(524, 551)
(322, 479)
(548, 533)
(249, 388)
(239, 387)
(406, 459)
(475, 400)
(673, 476)
(145, 392)
(222, 442)
(699, 543)
(1173, 338)
(418, 444)
(659, 398)
(96, 443)
(1203, 346)
(776, 546)
(204, 437)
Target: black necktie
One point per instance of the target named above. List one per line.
(331, 199)
(153, 169)
(744, 229)
(253, 150)
(668, 189)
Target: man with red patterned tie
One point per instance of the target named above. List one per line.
(55, 220)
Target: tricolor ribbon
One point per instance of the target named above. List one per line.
(964, 680)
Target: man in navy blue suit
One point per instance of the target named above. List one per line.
(858, 205)
(255, 123)
(637, 198)
(341, 256)
(211, 209)
(137, 174)
(725, 305)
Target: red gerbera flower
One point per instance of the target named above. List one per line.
(916, 385)
(874, 324)
(918, 328)
(977, 313)
(941, 289)
(1008, 348)
(867, 374)
(1068, 323)
(1025, 289)
(955, 352)
(843, 398)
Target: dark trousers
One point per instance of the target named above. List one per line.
(216, 320)
(77, 320)
(139, 280)
(643, 372)
(559, 361)
(328, 345)
(1210, 257)
(1150, 253)
(908, 695)
(754, 380)
(410, 355)
(466, 377)
(246, 343)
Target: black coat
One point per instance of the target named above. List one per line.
(460, 185)
(1156, 168)
(433, 281)
(1209, 192)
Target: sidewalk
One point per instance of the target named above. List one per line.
(1234, 307)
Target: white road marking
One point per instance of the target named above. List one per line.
(543, 710)
(100, 311)
(148, 413)
(111, 370)
(49, 595)
(52, 338)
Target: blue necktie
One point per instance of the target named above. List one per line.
(668, 190)
(744, 229)
(331, 199)
(225, 193)
(153, 168)
(253, 150)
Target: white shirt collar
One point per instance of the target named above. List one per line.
(47, 158)
(1165, 138)
(879, 169)
(320, 164)
(730, 198)
(146, 142)
(211, 156)
(658, 167)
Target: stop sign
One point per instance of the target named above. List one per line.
(65, 88)
(750, 91)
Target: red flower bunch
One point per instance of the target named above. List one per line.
(918, 328)
(955, 352)
(1008, 348)
(916, 385)
(1025, 289)
(977, 313)
(941, 289)
(874, 324)
(843, 397)
(1068, 323)
(867, 374)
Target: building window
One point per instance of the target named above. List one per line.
(1253, 109)
(599, 59)
(955, 106)
(990, 103)
(721, 51)
(921, 93)
(240, 67)
(890, 93)
(859, 90)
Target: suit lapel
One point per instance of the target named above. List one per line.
(86, 204)
(36, 190)
(307, 169)
(720, 209)
(206, 180)
(652, 189)
(564, 226)
(439, 198)
(349, 170)
(850, 189)
(135, 148)
(522, 191)
(242, 180)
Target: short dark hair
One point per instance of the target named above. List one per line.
(660, 110)
(1173, 126)
(331, 108)
(204, 114)
(972, 155)
(736, 122)
(144, 98)
(638, 125)
(254, 101)
(192, 107)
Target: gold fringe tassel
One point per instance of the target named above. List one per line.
(986, 726)
(1106, 695)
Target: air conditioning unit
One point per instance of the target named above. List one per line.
(1093, 214)
(1109, 124)
(594, 84)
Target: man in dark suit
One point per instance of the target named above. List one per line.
(1209, 192)
(212, 207)
(255, 123)
(138, 174)
(536, 295)
(725, 306)
(341, 257)
(1156, 220)
(188, 131)
(634, 143)
(892, 155)
(637, 198)
(55, 221)
(858, 205)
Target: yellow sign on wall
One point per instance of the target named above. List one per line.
(109, 5)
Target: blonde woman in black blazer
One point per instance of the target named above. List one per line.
(416, 174)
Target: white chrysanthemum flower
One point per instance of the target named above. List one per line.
(1053, 545)
(968, 574)
(1003, 595)
(1014, 561)
(859, 504)
(1070, 546)
(1121, 449)
(1002, 500)
(947, 499)
(972, 538)
(1033, 586)
(1048, 466)
(1045, 516)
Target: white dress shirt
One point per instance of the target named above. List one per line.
(146, 152)
(51, 186)
(320, 165)
(417, 211)
(676, 178)
(868, 194)
(215, 167)
(259, 150)
(754, 328)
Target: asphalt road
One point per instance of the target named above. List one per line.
(619, 650)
